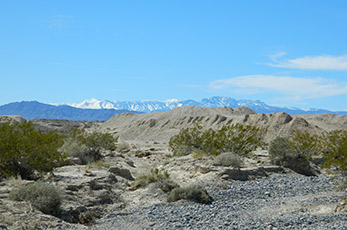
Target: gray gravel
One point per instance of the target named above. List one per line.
(281, 201)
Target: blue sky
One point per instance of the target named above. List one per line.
(285, 53)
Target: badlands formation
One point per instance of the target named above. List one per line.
(258, 196)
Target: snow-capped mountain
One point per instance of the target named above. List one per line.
(148, 106)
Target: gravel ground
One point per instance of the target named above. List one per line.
(281, 201)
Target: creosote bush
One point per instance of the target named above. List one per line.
(155, 176)
(239, 139)
(306, 145)
(24, 150)
(43, 196)
(335, 153)
(281, 151)
(87, 146)
(296, 151)
(192, 193)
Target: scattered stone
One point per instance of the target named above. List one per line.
(125, 173)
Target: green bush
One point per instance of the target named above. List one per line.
(95, 140)
(228, 159)
(305, 144)
(193, 193)
(281, 151)
(336, 153)
(162, 179)
(239, 139)
(73, 148)
(44, 197)
(296, 152)
(87, 146)
(24, 150)
(188, 138)
(183, 150)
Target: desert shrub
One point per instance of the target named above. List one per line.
(239, 139)
(336, 153)
(280, 150)
(155, 176)
(294, 153)
(188, 137)
(228, 159)
(95, 140)
(97, 164)
(193, 193)
(24, 150)
(198, 154)
(87, 146)
(305, 144)
(183, 150)
(73, 148)
(44, 197)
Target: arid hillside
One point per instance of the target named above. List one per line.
(161, 126)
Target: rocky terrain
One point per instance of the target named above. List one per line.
(258, 196)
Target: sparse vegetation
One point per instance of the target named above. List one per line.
(44, 197)
(199, 154)
(296, 151)
(194, 193)
(87, 146)
(24, 150)
(281, 151)
(336, 153)
(97, 164)
(228, 159)
(155, 176)
(183, 150)
(97, 140)
(306, 145)
(239, 139)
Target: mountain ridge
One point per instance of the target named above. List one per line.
(35, 110)
(148, 106)
(102, 110)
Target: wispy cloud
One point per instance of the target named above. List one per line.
(322, 62)
(298, 88)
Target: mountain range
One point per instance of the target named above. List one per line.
(149, 106)
(35, 110)
(93, 109)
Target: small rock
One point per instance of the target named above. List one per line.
(125, 173)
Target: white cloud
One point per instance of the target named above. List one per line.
(297, 88)
(322, 62)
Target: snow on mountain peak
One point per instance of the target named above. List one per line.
(148, 106)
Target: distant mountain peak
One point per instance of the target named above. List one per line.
(148, 106)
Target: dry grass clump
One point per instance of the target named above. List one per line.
(155, 176)
(194, 193)
(43, 196)
(198, 154)
(228, 159)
